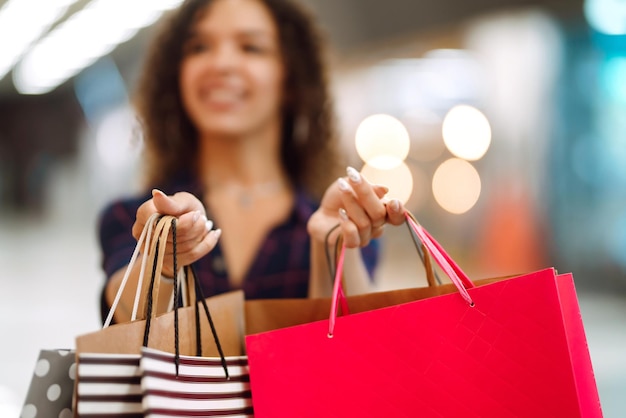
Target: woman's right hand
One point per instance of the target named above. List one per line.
(194, 233)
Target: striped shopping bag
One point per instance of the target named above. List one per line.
(109, 385)
(194, 386)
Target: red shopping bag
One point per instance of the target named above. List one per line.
(511, 348)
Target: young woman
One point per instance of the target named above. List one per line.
(238, 129)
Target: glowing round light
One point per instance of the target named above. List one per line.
(382, 141)
(398, 179)
(456, 186)
(466, 132)
(606, 16)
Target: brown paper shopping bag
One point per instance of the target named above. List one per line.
(127, 338)
(109, 377)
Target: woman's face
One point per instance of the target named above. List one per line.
(231, 76)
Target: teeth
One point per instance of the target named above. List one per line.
(222, 95)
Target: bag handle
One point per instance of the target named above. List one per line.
(158, 247)
(159, 244)
(144, 237)
(431, 275)
(460, 280)
(200, 296)
(443, 259)
(332, 268)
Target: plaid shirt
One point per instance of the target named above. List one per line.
(280, 269)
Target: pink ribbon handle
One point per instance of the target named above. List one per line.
(443, 259)
(338, 294)
(460, 280)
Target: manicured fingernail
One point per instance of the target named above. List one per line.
(217, 233)
(385, 188)
(395, 205)
(196, 216)
(157, 191)
(343, 214)
(353, 175)
(209, 225)
(343, 184)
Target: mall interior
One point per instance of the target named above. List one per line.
(502, 118)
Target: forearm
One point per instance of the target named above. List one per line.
(355, 275)
(320, 281)
(356, 279)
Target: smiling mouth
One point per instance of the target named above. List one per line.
(222, 96)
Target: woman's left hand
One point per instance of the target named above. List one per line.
(358, 207)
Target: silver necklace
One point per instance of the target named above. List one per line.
(246, 196)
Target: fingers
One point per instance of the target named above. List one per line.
(207, 244)
(365, 195)
(191, 252)
(395, 212)
(194, 235)
(190, 230)
(195, 238)
(363, 209)
(380, 191)
(176, 204)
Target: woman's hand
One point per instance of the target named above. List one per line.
(194, 234)
(358, 207)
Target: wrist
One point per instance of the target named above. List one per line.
(167, 279)
(323, 230)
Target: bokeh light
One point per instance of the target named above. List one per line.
(398, 179)
(456, 186)
(613, 76)
(466, 132)
(114, 139)
(382, 141)
(606, 16)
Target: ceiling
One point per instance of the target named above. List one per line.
(353, 24)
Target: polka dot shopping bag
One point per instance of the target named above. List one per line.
(52, 385)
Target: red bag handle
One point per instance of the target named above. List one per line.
(435, 249)
(443, 259)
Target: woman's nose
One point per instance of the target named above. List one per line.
(225, 57)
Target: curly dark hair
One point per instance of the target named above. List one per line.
(309, 147)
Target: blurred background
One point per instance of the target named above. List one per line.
(504, 126)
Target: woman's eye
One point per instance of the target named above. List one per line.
(254, 48)
(195, 47)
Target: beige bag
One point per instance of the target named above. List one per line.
(128, 338)
(109, 374)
